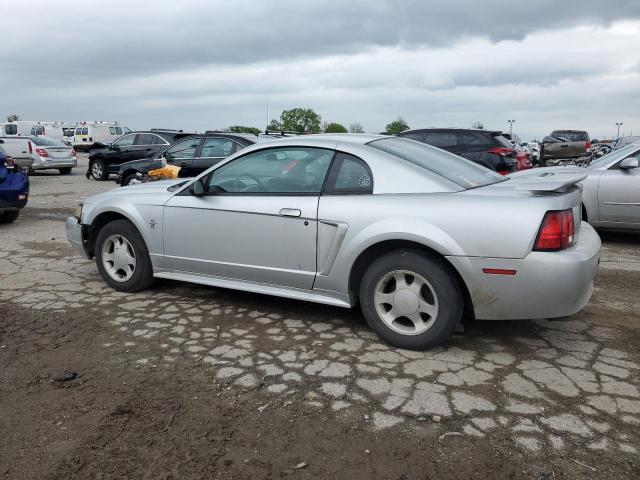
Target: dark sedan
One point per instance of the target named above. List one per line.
(193, 155)
(106, 159)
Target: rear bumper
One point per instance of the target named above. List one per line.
(546, 285)
(74, 236)
(44, 163)
(14, 191)
(6, 206)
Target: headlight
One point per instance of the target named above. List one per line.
(78, 212)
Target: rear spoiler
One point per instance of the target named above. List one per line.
(547, 181)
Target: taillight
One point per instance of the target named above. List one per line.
(588, 146)
(30, 147)
(502, 151)
(556, 231)
(41, 152)
(503, 172)
(73, 152)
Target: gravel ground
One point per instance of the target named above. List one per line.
(183, 381)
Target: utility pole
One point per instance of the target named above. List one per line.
(510, 126)
(618, 124)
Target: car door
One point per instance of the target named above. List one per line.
(257, 220)
(183, 152)
(213, 150)
(119, 150)
(619, 195)
(144, 146)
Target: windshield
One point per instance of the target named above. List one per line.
(614, 156)
(46, 142)
(452, 167)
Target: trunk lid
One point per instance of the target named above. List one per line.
(58, 152)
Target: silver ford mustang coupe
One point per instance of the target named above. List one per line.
(417, 236)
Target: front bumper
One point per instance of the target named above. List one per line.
(546, 285)
(74, 236)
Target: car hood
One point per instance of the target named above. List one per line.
(154, 187)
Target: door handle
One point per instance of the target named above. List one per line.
(290, 212)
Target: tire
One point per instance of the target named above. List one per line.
(116, 268)
(439, 294)
(10, 216)
(65, 171)
(98, 169)
(30, 171)
(126, 181)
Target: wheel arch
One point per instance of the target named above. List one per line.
(100, 221)
(364, 259)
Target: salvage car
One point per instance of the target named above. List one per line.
(611, 190)
(105, 159)
(565, 145)
(14, 188)
(415, 235)
(487, 148)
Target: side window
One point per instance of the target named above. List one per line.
(125, 141)
(85, 131)
(118, 130)
(144, 139)
(112, 130)
(11, 129)
(184, 149)
(442, 139)
(349, 175)
(417, 136)
(78, 131)
(216, 147)
(286, 170)
(158, 140)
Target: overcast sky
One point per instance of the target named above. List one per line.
(210, 64)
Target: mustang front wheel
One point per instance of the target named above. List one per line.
(411, 300)
(122, 257)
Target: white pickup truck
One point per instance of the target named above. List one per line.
(40, 153)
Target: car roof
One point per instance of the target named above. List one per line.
(457, 129)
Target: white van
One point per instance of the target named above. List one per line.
(19, 127)
(86, 134)
(46, 129)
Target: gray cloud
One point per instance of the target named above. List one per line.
(202, 64)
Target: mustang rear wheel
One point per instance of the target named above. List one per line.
(411, 300)
(122, 257)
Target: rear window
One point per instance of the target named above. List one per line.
(502, 141)
(11, 129)
(442, 139)
(571, 136)
(47, 142)
(447, 165)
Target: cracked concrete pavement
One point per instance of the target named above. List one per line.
(549, 386)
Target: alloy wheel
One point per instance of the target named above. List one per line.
(118, 258)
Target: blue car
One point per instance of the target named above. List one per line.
(14, 188)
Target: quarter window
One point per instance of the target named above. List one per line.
(290, 170)
(349, 175)
(217, 147)
(184, 149)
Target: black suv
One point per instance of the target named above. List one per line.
(487, 148)
(106, 159)
(193, 155)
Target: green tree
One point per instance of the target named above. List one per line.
(243, 129)
(356, 128)
(334, 127)
(274, 126)
(13, 117)
(396, 127)
(300, 120)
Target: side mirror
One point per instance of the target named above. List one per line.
(197, 188)
(627, 163)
